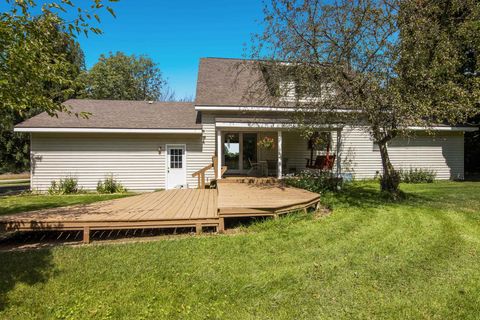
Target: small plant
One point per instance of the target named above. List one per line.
(315, 181)
(417, 175)
(266, 143)
(110, 185)
(67, 185)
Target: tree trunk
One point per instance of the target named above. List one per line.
(390, 179)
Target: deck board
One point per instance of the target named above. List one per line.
(171, 208)
(256, 199)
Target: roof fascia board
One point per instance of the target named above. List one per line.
(253, 125)
(258, 108)
(446, 128)
(108, 130)
(240, 108)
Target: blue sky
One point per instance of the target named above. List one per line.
(176, 34)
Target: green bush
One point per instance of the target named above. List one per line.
(315, 181)
(68, 185)
(110, 185)
(417, 175)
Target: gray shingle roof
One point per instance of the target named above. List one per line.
(230, 82)
(120, 114)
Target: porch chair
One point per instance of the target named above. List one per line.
(254, 166)
(322, 162)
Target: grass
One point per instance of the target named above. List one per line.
(371, 258)
(29, 202)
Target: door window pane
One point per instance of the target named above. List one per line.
(176, 158)
(231, 151)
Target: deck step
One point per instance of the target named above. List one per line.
(250, 180)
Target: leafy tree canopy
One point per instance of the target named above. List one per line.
(373, 63)
(34, 73)
(122, 77)
(39, 64)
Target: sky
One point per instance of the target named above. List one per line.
(176, 34)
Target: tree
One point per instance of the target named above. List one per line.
(28, 60)
(441, 59)
(122, 77)
(14, 148)
(39, 64)
(344, 61)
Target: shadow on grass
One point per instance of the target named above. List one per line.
(8, 190)
(367, 195)
(29, 268)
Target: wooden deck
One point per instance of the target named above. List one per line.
(259, 198)
(195, 208)
(164, 209)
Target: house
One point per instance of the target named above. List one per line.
(161, 145)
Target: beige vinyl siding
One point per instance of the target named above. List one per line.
(209, 143)
(442, 152)
(133, 159)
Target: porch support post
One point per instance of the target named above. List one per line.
(219, 154)
(280, 152)
(338, 159)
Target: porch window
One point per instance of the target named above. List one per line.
(231, 151)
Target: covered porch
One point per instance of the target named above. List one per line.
(267, 149)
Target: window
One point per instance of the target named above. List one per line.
(290, 91)
(176, 158)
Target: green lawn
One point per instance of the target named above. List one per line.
(28, 202)
(418, 259)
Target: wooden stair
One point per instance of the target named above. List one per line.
(201, 173)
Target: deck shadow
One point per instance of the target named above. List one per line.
(20, 267)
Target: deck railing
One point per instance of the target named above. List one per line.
(200, 174)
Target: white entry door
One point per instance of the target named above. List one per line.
(176, 167)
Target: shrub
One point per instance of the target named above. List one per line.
(68, 185)
(315, 181)
(110, 185)
(417, 175)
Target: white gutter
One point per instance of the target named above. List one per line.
(468, 129)
(279, 109)
(255, 125)
(236, 108)
(108, 130)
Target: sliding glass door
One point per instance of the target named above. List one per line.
(239, 150)
(249, 148)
